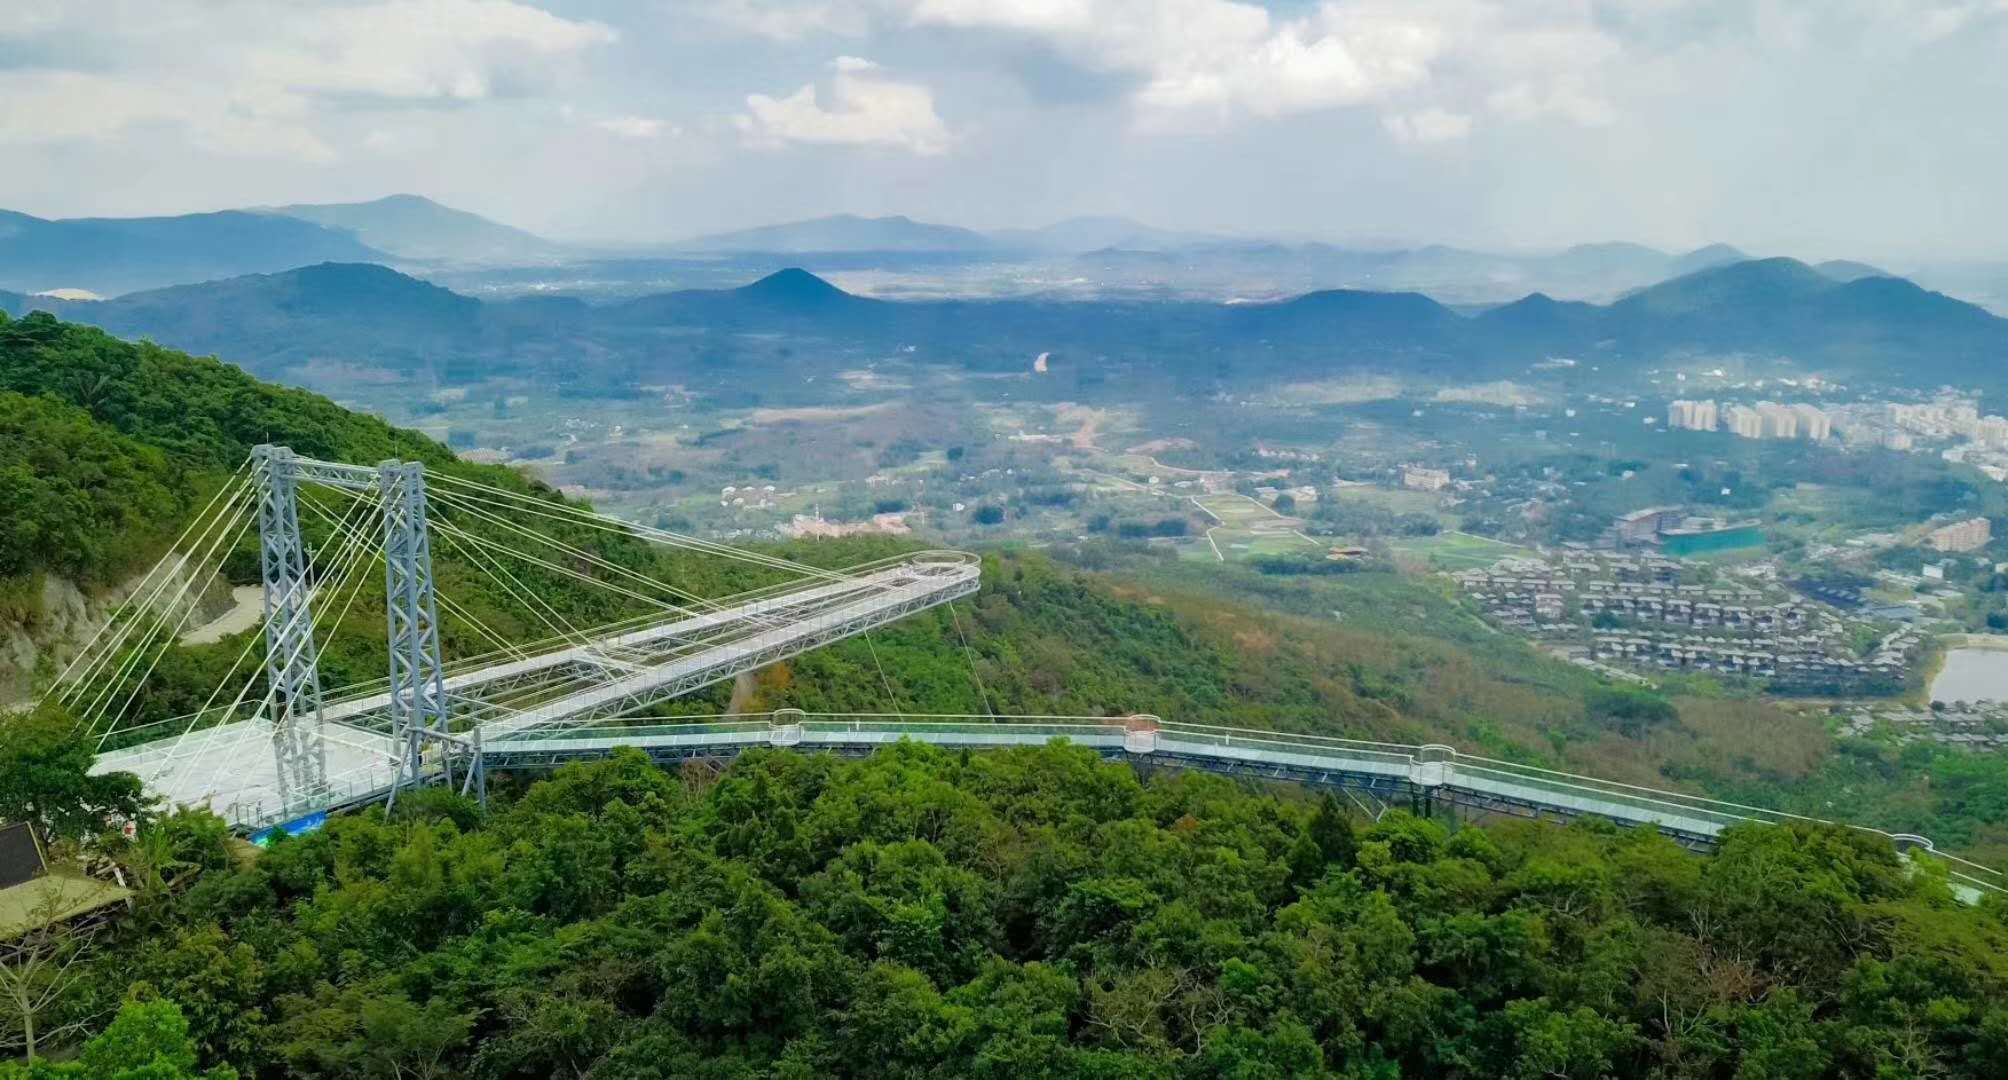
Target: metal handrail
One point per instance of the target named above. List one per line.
(1455, 769)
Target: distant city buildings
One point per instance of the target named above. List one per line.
(1643, 526)
(1992, 432)
(1969, 535)
(1692, 415)
(1764, 420)
(1744, 421)
(1814, 423)
(1417, 478)
(1951, 424)
(1942, 419)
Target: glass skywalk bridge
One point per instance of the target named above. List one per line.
(1384, 773)
(229, 768)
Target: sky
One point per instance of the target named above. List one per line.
(1823, 128)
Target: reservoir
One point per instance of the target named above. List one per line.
(1690, 542)
(1973, 674)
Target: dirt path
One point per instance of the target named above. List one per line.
(247, 606)
(743, 688)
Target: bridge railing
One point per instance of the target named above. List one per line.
(1424, 767)
(1391, 759)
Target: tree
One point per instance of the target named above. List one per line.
(1632, 712)
(39, 969)
(147, 1040)
(45, 778)
(1332, 830)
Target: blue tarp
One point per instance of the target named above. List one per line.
(296, 827)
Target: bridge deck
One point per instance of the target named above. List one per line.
(1389, 770)
(1436, 772)
(1372, 764)
(230, 767)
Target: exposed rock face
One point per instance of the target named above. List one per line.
(32, 652)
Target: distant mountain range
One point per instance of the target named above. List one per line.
(844, 232)
(851, 233)
(1082, 257)
(414, 227)
(1116, 244)
(110, 256)
(353, 320)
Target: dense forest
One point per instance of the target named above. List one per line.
(1025, 913)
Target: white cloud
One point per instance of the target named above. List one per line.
(252, 78)
(459, 50)
(1224, 58)
(1218, 55)
(1428, 126)
(1565, 97)
(1511, 60)
(47, 107)
(632, 127)
(787, 20)
(862, 108)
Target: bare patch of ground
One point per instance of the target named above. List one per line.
(811, 413)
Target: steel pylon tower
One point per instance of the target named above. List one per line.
(418, 708)
(292, 663)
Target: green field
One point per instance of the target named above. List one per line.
(1393, 500)
(1241, 544)
(1455, 550)
(1235, 510)
(1247, 530)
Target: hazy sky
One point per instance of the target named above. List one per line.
(1816, 127)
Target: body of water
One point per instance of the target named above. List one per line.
(1973, 675)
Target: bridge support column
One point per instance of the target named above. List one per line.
(292, 663)
(418, 709)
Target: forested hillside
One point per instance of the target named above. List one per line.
(1030, 913)
(922, 913)
(118, 440)
(107, 446)
(120, 437)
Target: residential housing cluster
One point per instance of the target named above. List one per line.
(1636, 610)
(1764, 420)
(1961, 536)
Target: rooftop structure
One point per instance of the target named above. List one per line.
(1417, 478)
(1969, 535)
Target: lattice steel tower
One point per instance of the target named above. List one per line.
(292, 663)
(418, 706)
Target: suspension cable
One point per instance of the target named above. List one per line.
(215, 536)
(111, 619)
(608, 522)
(140, 607)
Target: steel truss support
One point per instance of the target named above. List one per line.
(418, 704)
(657, 684)
(292, 662)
